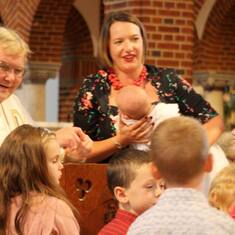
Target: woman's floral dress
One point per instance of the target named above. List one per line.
(96, 117)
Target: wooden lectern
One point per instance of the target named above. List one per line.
(86, 187)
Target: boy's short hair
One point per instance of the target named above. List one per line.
(122, 167)
(179, 148)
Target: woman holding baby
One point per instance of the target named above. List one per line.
(122, 51)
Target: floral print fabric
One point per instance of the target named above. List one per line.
(96, 117)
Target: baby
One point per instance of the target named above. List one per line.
(133, 104)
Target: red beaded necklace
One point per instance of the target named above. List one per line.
(116, 83)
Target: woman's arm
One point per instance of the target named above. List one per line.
(193, 104)
(214, 128)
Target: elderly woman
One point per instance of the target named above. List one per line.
(122, 51)
(13, 58)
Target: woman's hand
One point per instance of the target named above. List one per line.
(139, 132)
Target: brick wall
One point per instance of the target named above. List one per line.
(198, 5)
(216, 50)
(77, 61)
(19, 15)
(46, 38)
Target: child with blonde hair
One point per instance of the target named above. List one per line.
(222, 191)
(31, 200)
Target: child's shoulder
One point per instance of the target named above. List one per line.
(60, 206)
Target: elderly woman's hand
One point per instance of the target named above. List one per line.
(68, 137)
(82, 150)
(139, 132)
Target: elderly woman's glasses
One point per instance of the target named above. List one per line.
(7, 68)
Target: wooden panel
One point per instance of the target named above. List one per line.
(86, 187)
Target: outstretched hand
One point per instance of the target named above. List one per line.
(76, 143)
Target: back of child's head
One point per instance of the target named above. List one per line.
(222, 190)
(225, 141)
(133, 102)
(179, 149)
(123, 166)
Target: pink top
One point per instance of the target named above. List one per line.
(47, 216)
(232, 211)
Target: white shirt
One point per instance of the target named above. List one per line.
(12, 115)
(159, 113)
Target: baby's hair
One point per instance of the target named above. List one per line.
(133, 100)
(222, 190)
(23, 169)
(179, 148)
(123, 165)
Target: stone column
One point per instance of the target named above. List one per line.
(32, 92)
(211, 86)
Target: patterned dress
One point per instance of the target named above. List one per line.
(96, 117)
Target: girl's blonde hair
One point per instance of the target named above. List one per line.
(222, 190)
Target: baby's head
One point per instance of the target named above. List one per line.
(179, 149)
(133, 102)
(222, 190)
(130, 179)
(29, 161)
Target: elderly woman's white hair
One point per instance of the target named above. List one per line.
(12, 44)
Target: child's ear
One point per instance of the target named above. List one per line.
(155, 171)
(120, 194)
(213, 199)
(208, 164)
